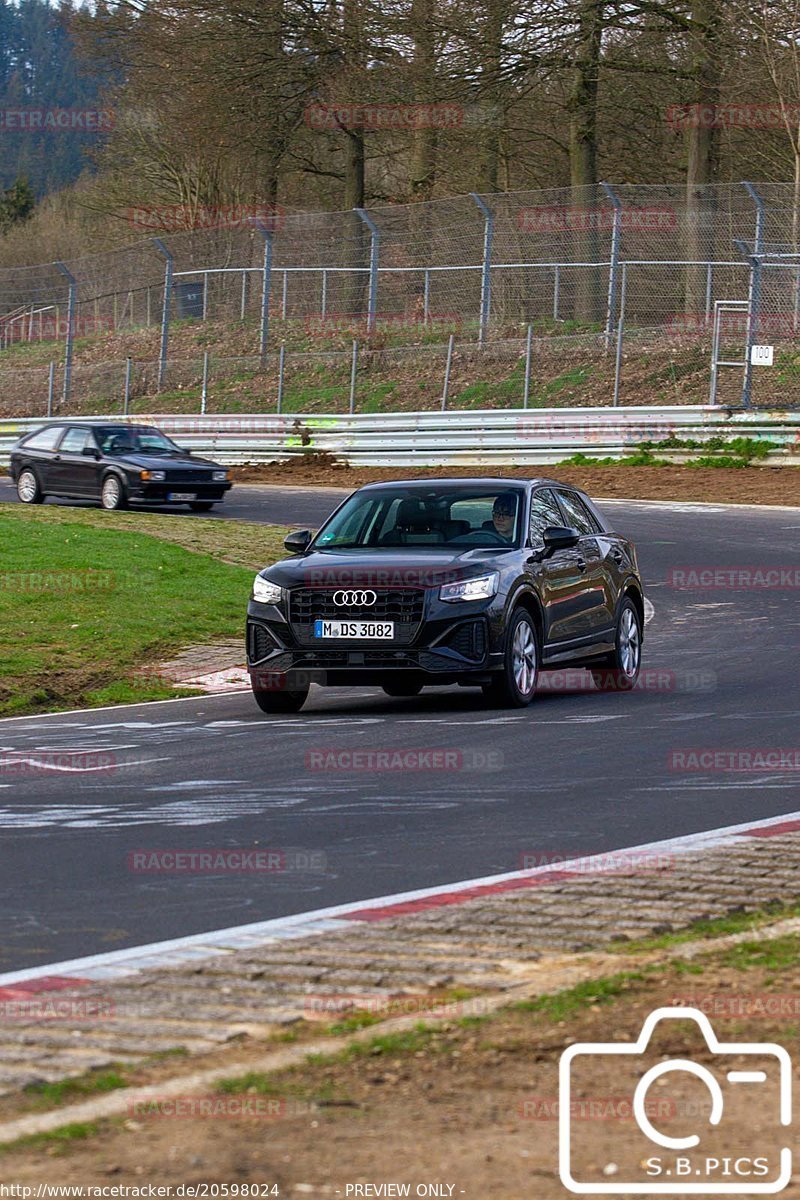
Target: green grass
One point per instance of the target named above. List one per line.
(558, 1006)
(92, 599)
(77, 1131)
(777, 954)
(709, 929)
(90, 1084)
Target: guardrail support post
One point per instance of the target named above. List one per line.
(73, 297)
(168, 269)
(486, 270)
(754, 291)
(374, 253)
(266, 283)
(526, 391)
(616, 232)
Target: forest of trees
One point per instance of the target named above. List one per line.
(255, 101)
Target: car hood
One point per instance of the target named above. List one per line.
(164, 462)
(388, 568)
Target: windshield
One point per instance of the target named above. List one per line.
(134, 439)
(388, 518)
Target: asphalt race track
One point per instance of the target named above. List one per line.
(578, 772)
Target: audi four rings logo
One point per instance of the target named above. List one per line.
(348, 599)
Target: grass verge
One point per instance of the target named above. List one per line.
(90, 597)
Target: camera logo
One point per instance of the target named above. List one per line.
(699, 1161)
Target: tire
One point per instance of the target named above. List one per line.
(280, 702)
(515, 684)
(201, 505)
(28, 487)
(623, 666)
(112, 494)
(402, 689)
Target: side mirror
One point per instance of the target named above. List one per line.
(91, 452)
(558, 537)
(297, 541)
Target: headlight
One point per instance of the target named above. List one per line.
(153, 476)
(481, 588)
(219, 476)
(265, 592)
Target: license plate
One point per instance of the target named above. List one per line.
(354, 629)
(181, 495)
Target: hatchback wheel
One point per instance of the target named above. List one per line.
(624, 664)
(28, 488)
(280, 702)
(515, 685)
(113, 494)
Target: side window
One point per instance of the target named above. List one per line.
(74, 441)
(45, 439)
(544, 512)
(579, 516)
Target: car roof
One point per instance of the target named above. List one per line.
(487, 481)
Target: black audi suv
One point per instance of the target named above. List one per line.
(115, 463)
(480, 582)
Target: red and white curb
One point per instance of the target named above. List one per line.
(177, 952)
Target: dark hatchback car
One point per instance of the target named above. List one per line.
(117, 464)
(481, 582)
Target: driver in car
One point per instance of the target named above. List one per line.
(504, 511)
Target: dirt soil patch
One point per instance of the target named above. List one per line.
(472, 1105)
(720, 485)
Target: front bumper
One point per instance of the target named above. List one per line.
(157, 493)
(455, 645)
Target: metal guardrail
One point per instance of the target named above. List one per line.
(510, 437)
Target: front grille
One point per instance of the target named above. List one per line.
(259, 642)
(404, 606)
(189, 475)
(328, 659)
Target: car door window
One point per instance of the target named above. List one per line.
(578, 515)
(45, 439)
(544, 514)
(74, 441)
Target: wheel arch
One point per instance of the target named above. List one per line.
(633, 592)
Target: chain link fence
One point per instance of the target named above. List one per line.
(623, 280)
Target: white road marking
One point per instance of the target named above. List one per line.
(333, 919)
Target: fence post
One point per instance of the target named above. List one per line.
(556, 291)
(353, 372)
(148, 306)
(447, 367)
(709, 277)
(205, 295)
(243, 303)
(281, 368)
(486, 270)
(374, 252)
(266, 284)
(284, 294)
(204, 389)
(51, 383)
(754, 291)
(611, 309)
(526, 391)
(324, 301)
(168, 268)
(620, 333)
(127, 398)
(426, 302)
(73, 296)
